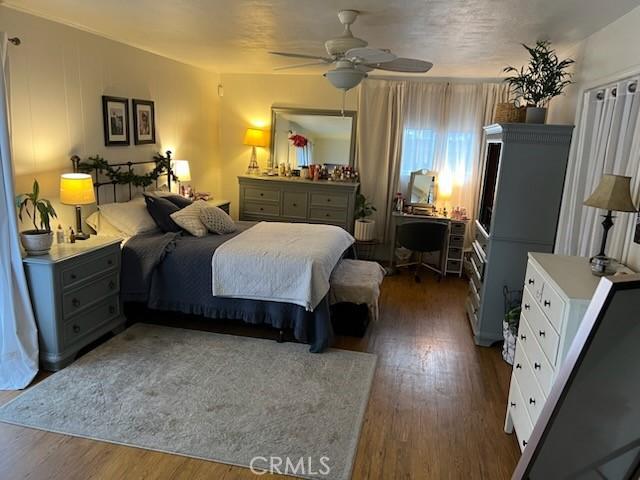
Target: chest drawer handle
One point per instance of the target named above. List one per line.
(523, 338)
(547, 303)
(112, 309)
(109, 262)
(532, 281)
(518, 366)
(75, 302)
(328, 215)
(112, 285)
(513, 404)
(527, 306)
(76, 328)
(537, 366)
(295, 204)
(542, 333)
(532, 401)
(262, 194)
(261, 209)
(524, 443)
(73, 276)
(328, 200)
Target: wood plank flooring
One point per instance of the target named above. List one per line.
(436, 409)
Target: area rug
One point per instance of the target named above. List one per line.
(229, 399)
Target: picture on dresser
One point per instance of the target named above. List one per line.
(115, 117)
(144, 122)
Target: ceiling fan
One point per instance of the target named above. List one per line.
(353, 58)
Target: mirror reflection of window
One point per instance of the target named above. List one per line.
(423, 187)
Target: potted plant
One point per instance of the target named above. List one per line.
(365, 229)
(37, 241)
(536, 84)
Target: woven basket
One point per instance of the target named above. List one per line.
(509, 113)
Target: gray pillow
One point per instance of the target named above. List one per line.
(160, 210)
(216, 220)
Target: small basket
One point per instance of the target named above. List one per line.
(509, 113)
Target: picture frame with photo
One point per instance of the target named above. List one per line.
(144, 122)
(115, 117)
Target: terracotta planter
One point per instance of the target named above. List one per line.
(365, 230)
(36, 242)
(536, 115)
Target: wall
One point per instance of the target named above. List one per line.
(57, 78)
(247, 102)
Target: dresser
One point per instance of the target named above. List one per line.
(518, 208)
(557, 291)
(284, 199)
(75, 296)
(454, 257)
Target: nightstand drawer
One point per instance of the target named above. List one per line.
(261, 194)
(78, 271)
(91, 319)
(254, 208)
(86, 295)
(327, 215)
(329, 200)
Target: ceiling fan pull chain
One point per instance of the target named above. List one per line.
(344, 96)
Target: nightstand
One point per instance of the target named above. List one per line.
(221, 204)
(75, 296)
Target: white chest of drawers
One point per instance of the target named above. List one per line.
(557, 291)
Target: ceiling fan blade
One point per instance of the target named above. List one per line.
(299, 65)
(369, 55)
(302, 55)
(407, 65)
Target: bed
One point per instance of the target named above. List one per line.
(173, 272)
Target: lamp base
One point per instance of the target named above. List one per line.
(253, 168)
(82, 236)
(601, 266)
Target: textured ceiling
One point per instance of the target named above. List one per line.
(472, 38)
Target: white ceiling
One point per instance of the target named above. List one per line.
(469, 38)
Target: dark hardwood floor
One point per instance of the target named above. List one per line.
(436, 409)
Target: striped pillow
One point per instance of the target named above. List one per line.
(189, 219)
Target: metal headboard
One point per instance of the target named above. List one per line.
(130, 166)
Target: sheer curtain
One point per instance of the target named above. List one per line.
(18, 334)
(607, 140)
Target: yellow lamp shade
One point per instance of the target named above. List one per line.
(255, 138)
(76, 189)
(181, 170)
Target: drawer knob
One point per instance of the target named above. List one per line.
(547, 303)
(73, 276)
(75, 302)
(261, 209)
(537, 366)
(295, 204)
(109, 262)
(262, 194)
(329, 200)
(532, 281)
(532, 401)
(513, 404)
(328, 215)
(518, 366)
(524, 443)
(112, 285)
(523, 337)
(527, 306)
(112, 309)
(541, 333)
(76, 328)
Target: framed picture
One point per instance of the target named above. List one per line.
(144, 122)
(115, 116)
(636, 237)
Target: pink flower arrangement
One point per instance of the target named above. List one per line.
(298, 140)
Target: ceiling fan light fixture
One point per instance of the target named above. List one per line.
(345, 78)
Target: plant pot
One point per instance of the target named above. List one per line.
(509, 345)
(365, 230)
(36, 242)
(536, 115)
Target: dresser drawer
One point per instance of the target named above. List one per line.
(519, 416)
(328, 215)
(78, 271)
(553, 306)
(455, 253)
(294, 205)
(262, 194)
(456, 241)
(474, 295)
(329, 200)
(543, 370)
(261, 209)
(91, 319)
(540, 326)
(533, 281)
(477, 258)
(457, 228)
(80, 298)
(534, 398)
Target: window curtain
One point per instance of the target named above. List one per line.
(18, 334)
(607, 140)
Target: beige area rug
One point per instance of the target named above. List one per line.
(229, 399)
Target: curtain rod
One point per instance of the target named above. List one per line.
(15, 41)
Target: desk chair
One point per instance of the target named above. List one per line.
(424, 237)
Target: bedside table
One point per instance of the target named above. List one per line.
(74, 292)
(221, 204)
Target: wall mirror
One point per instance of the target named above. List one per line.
(422, 188)
(321, 137)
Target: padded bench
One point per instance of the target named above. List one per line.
(353, 296)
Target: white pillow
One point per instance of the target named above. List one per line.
(101, 226)
(216, 220)
(131, 217)
(188, 218)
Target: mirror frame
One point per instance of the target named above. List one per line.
(312, 111)
(429, 173)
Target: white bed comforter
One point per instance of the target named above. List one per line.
(281, 262)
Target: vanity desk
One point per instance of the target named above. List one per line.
(453, 260)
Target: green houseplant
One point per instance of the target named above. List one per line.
(38, 240)
(544, 78)
(365, 228)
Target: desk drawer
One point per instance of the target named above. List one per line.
(294, 205)
(456, 241)
(455, 253)
(262, 194)
(457, 228)
(328, 215)
(454, 265)
(261, 209)
(91, 319)
(329, 200)
(540, 326)
(80, 298)
(76, 272)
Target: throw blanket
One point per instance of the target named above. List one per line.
(281, 262)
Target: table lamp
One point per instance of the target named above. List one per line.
(613, 193)
(182, 172)
(254, 138)
(77, 189)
